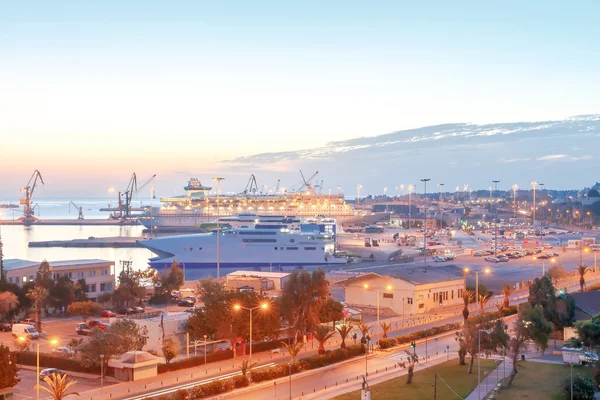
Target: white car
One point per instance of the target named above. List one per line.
(63, 352)
(491, 259)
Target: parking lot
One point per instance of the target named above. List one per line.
(25, 389)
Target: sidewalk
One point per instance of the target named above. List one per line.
(490, 383)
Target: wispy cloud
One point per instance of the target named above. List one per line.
(512, 160)
(588, 157)
(551, 157)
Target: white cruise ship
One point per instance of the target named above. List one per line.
(197, 207)
(244, 248)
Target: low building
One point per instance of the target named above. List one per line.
(257, 281)
(406, 290)
(135, 365)
(160, 326)
(99, 275)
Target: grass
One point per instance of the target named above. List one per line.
(540, 381)
(422, 387)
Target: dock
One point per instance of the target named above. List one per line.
(88, 222)
(91, 242)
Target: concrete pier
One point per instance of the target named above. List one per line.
(91, 242)
(89, 222)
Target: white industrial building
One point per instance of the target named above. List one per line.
(406, 290)
(257, 280)
(99, 275)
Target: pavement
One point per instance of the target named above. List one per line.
(25, 389)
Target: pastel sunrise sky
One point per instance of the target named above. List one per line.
(92, 91)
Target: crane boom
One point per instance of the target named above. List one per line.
(144, 185)
(79, 209)
(28, 211)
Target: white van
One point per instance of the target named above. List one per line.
(25, 330)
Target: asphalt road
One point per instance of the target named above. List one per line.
(25, 389)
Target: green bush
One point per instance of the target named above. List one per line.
(181, 395)
(314, 362)
(49, 361)
(195, 361)
(240, 382)
(269, 373)
(386, 343)
(583, 387)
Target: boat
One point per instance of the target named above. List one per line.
(244, 248)
(198, 206)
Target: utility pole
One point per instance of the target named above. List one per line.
(425, 180)
(440, 202)
(534, 183)
(496, 182)
(219, 228)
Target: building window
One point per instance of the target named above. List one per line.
(292, 248)
(30, 278)
(10, 279)
(452, 294)
(106, 287)
(388, 295)
(310, 248)
(409, 300)
(24, 279)
(92, 287)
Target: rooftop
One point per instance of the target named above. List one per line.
(413, 274)
(17, 263)
(588, 302)
(259, 274)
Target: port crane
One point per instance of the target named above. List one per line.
(79, 209)
(125, 198)
(307, 183)
(28, 211)
(251, 187)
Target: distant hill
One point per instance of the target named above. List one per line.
(561, 154)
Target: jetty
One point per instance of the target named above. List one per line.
(91, 242)
(88, 222)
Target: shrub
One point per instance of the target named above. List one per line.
(583, 387)
(49, 361)
(195, 361)
(313, 362)
(181, 394)
(264, 346)
(387, 343)
(240, 382)
(337, 355)
(269, 373)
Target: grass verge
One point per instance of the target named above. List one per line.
(540, 381)
(422, 386)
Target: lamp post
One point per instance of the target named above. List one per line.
(534, 183)
(358, 194)
(205, 349)
(37, 375)
(425, 180)
(218, 227)
(101, 374)
(466, 271)
(496, 182)
(236, 307)
(534, 275)
(479, 360)
(440, 185)
(515, 187)
(409, 206)
(388, 287)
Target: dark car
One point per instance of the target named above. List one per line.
(186, 303)
(543, 256)
(126, 311)
(50, 371)
(107, 314)
(5, 327)
(83, 329)
(139, 310)
(98, 324)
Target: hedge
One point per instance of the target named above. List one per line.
(195, 361)
(49, 361)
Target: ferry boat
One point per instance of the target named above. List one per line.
(199, 207)
(244, 248)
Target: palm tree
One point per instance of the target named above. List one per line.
(582, 269)
(506, 291)
(364, 329)
(468, 296)
(483, 299)
(58, 384)
(411, 360)
(385, 326)
(245, 367)
(38, 294)
(293, 348)
(322, 334)
(344, 331)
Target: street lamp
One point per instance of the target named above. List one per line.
(515, 187)
(409, 205)
(486, 271)
(238, 307)
(387, 287)
(218, 227)
(205, 349)
(101, 374)
(425, 180)
(534, 183)
(54, 342)
(358, 194)
(479, 359)
(495, 182)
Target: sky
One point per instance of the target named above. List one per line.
(92, 91)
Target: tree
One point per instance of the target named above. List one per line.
(483, 300)
(2, 274)
(506, 291)
(530, 325)
(43, 276)
(589, 331)
(293, 348)
(8, 368)
(245, 366)
(471, 341)
(497, 339)
(169, 280)
(38, 294)
(582, 270)
(8, 304)
(364, 330)
(556, 272)
(543, 293)
(411, 360)
(330, 310)
(344, 331)
(58, 386)
(104, 298)
(302, 296)
(131, 287)
(322, 334)
(84, 309)
(462, 347)
(467, 296)
(169, 350)
(122, 336)
(385, 327)
(583, 388)
(62, 293)
(565, 311)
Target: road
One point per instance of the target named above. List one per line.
(25, 389)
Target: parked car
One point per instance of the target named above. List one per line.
(512, 256)
(98, 324)
(83, 329)
(502, 259)
(190, 298)
(125, 311)
(107, 314)
(543, 256)
(139, 310)
(438, 259)
(63, 352)
(30, 321)
(185, 303)
(194, 309)
(5, 326)
(25, 330)
(588, 357)
(491, 259)
(49, 371)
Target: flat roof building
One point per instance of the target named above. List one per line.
(406, 290)
(257, 280)
(99, 275)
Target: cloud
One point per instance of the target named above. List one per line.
(588, 157)
(512, 160)
(551, 157)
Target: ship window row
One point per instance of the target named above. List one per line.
(256, 233)
(191, 249)
(259, 240)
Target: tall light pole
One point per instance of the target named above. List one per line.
(218, 227)
(358, 194)
(54, 342)
(388, 288)
(205, 337)
(534, 183)
(409, 205)
(101, 374)
(440, 185)
(515, 187)
(496, 182)
(263, 306)
(466, 271)
(479, 360)
(425, 180)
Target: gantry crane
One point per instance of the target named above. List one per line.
(126, 197)
(28, 211)
(306, 182)
(79, 209)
